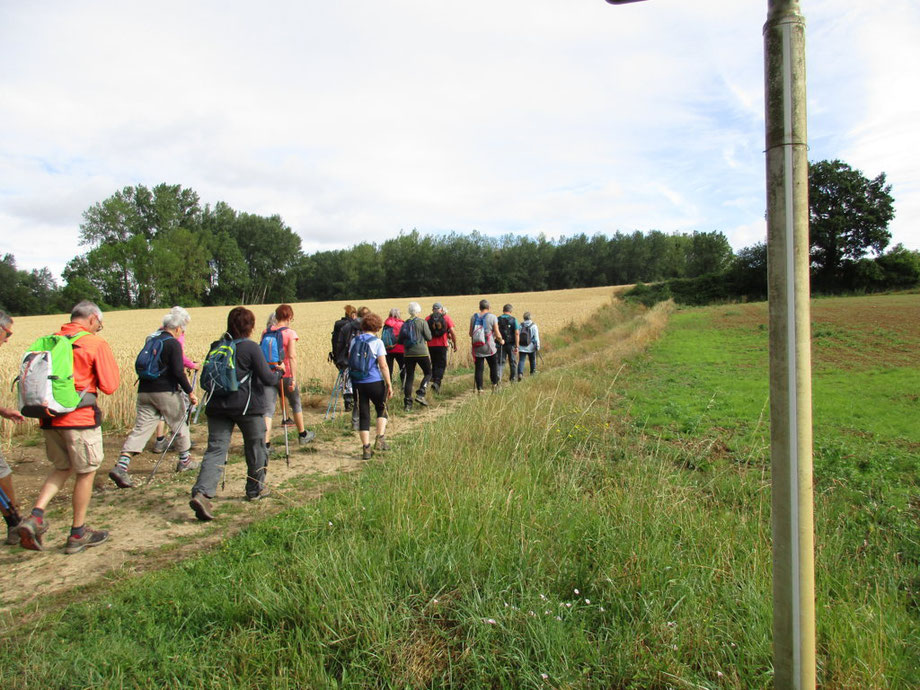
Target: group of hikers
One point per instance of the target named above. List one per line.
(241, 381)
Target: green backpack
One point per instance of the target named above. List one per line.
(45, 381)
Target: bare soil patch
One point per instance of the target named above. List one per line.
(152, 526)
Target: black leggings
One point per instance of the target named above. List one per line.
(424, 363)
(480, 370)
(398, 358)
(368, 393)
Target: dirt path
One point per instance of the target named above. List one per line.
(153, 526)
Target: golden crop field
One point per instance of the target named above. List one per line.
(125, 332)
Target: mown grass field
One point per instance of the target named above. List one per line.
(604, 524)
(126, 330)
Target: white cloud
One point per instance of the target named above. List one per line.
(356, 120)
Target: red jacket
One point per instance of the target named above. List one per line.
(94, 370)
(396, 325)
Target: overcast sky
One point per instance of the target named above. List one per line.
(355, 119)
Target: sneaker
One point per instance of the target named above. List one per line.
(368, 453)
(381, 444)
(265, 493)
(187, 466)
(160, 446)
(91, 537)
(12, 535)
(421, 400)
(306, 438)
(120, 477)
(436, 386)
(202, 507)
(30, 533)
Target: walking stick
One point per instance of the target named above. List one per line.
(334, 396)
(188, 417)
(287, 450)
(8, 505)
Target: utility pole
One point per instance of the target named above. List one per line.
(790, 346)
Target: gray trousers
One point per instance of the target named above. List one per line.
(220, 428)
(150, 407)
(504, 351)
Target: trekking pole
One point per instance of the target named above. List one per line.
(8, 506)
(287, 450)
(334, 396)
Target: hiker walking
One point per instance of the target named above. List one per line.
(334, 355)
(528, 344)
(235, 376)
(414, 337)
(10, 512)
(510, 330)
(73, 440)
(367, 364)
(443, 335)
(163, 390)
(484, 335)
(161, 441)
(279, 345)
(346, 334)
(390, 337)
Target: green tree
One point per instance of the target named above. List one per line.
(849, 216)
(708, 252)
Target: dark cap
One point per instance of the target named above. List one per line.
(437, 305)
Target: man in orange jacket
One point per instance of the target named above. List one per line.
(73, 441)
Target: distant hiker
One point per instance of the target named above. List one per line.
(334, 356)
(73, 440)
(484, 335)
(160, 387)
(414, 337)
(162, 439)
(11, 513)
(442, 335)
(508, 327)
(529, 344)
(235, 376)
(279, 342)
(390, 337)
(347, 332)
(367, 363)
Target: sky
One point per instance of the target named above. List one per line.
(356, 120)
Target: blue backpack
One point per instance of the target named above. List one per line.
(408, 334)
(272, 344)
(360, 358)
(149, 362)
(388, 337)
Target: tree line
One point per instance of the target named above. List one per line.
(159, 247)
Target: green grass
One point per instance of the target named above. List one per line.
(564, 532)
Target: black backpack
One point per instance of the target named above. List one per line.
(437, 324)
(506, 328)
(525, 337)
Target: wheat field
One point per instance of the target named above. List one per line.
(125, 332)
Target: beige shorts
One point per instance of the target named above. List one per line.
(79, 450)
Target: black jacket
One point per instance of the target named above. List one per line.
(250, 398)
(346, 333)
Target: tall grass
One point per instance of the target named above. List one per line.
(531, 539)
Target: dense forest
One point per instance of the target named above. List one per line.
(159, 247)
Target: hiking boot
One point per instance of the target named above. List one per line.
(30, 533)
(265, 493)
(306, 438)
(160, 446)
(287, 421)
(436, 386)
(120, 477)
(420, 399)
(91, 537)
(356, 425)
(187, 466)
(367, 453)
(202, 507)
(408, 407)
(381, 444)
(12, 535)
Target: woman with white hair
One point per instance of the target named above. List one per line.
(176, 316)
(161, 384)
(414, 337)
